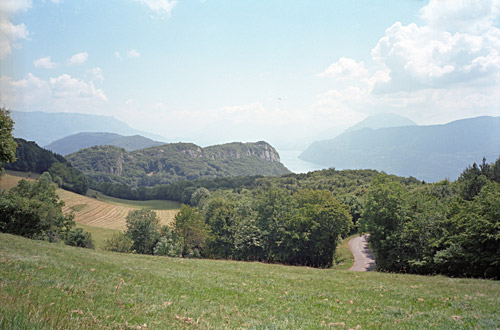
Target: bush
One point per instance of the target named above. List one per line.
(169, 244)
(118, 242)
(78, 237)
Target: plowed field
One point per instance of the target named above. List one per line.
(93, 212)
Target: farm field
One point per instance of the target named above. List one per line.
(52, 286)
(108, 213)
(92, 212)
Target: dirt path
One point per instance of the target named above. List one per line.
(364, 261)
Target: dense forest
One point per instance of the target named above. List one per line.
(32, 158)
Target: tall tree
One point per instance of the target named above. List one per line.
(143, 228)
(191, 228)
(7, 143)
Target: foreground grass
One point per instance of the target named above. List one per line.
(45, 285)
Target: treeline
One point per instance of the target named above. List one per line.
(273, 225)
(32, 158)
(442, 228)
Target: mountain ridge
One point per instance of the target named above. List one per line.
(431, 152)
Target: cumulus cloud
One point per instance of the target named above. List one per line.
(62, 93)
(345, 68)
(44, 62)
(471, 16)
(422, 57)
(160, 7)
(78, 59)
(11, 33)
(133, 53)
(448, 68)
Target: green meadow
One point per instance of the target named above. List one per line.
(53, 286)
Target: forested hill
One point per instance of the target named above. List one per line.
(429, 153)
(177, 162)
(75, 142)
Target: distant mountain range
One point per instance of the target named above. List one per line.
(428, 153)
(44, 128)
(174, 162)
(75, 142)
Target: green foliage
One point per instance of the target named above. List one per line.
(447, 228)
(7, 143)
(191, 229)
(70, 178)
(78, 237)
(142, 229)
(33, 210)
(169, 243)
(32, 158)
(119, 242)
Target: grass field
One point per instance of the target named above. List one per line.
(10, 179)
(52, 286)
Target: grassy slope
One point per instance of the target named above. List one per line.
(56, 286)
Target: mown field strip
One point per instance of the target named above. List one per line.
(92, 212)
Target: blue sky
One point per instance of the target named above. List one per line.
(216, 71)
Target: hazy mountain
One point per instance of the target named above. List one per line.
(75, 142)
(44, 128)
(177, 162)
(430, 153)
(376, 121)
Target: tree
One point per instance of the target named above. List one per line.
(191, 228)
(143, 230)
(383, 217)
(7, 143)
(34, 210)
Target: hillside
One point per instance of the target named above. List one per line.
(177, 162)
(429, 153)
(46, 285)
(75, 142)
(44, 128)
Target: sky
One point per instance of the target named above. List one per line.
(284, 71)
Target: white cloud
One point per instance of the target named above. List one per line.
(11, 34)
(345, 68)
(9, 7)
(133, 53)
(78, 59)
(446, 69)
(62, 93)
(44, 62)
(97, 74)
(422, 57)
(471, 16)
(160, 7)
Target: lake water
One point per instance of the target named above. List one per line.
(290, 158)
